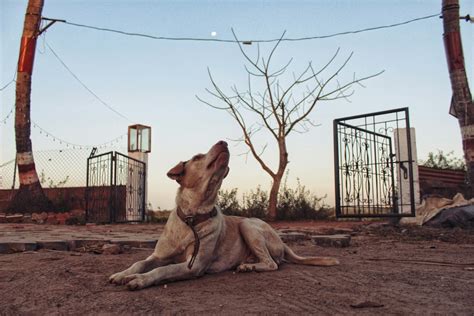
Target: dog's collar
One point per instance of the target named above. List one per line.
(197, 218)
(192, 221)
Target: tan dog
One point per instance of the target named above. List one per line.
(199, 239)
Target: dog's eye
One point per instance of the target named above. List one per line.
(197, 157)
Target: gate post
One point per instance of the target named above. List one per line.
(408, 183)
(139, 145)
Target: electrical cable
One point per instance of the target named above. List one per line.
(248, 41)
(84, 85)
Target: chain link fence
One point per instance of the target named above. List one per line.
(55, 168)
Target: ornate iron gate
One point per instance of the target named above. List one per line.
(374, 165)
(115, 188)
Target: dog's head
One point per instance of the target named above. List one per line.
(201, 176)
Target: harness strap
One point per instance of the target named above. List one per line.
(192, 221)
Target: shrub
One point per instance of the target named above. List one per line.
(227, 201)
(293, 204)
(441, 160)
(255, 203)
(300, 203)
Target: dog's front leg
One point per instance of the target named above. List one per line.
(138, 267)
(172, 272)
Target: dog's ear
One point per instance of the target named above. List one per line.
(177, 172)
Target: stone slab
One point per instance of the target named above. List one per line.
(293, 236)
(338, 241)
(13, 247)
(60, 245)
(135, 243)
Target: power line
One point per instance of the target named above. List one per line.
(84, 85)
(76, 146)
(127, 33)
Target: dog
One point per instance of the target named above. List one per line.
(199, 239)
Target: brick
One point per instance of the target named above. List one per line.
(16, 218)
(62, 218)
(338, 241)
(111, 249)
(12, 247)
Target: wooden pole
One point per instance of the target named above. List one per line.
(462, 106)
(30, 196)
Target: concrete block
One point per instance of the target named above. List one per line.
(292, 236)
(12, 247)
(332, 240)
(136, 243)
(53, 245)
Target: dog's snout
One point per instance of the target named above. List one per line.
(222, 143)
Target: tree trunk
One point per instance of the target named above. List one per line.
(273, 199)
(461, 103)
(272, 213)
(30, 196)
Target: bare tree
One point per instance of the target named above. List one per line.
(282, 107)
(30, 196)
(462, 105)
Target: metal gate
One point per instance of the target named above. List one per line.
(115, 190)
(374, 165)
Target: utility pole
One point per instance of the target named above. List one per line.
(462, 106)
(30, 197)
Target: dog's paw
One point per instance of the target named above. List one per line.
(136, 282)
(245, 267)
(117, 278)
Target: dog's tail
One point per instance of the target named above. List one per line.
(290, 256)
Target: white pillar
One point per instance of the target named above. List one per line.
(131, 214)
(402, 176)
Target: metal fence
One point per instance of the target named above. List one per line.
(115, 188)
(374, 165)
(55, 168)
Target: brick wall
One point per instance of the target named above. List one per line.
(73, 198)
(443, 182)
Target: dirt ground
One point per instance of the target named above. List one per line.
(385, 271)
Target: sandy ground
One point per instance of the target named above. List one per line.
(384, 271)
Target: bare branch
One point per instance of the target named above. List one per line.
(255, 64)
(328, 95)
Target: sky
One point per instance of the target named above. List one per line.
(155, 82)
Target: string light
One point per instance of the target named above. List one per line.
(245, 41)
(4, 120)
(9, 83)
(54, 138)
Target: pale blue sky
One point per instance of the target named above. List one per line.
(155, 82)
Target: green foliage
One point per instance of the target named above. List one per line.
(300, 203)
(441, 160)
(50, 182)
(255, 203)
(228, 202)
(293, 204)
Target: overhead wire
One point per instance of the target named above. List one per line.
(154, 37)
(84, 85)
